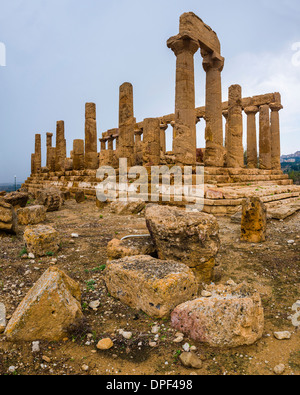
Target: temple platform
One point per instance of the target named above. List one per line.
(224, 188)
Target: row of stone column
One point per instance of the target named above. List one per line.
(268, 156)
(84, 154)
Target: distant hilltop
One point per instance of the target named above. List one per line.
(290, 158)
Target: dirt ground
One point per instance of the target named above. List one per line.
(272, 268)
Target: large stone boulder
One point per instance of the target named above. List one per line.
(132, 246)
(51, 198)
(149, 284)
(188, 237)
(48, 310)
(41, 240)
(126, 208)
(232, 316)
(31, 215)
(254, 220)
(17, 199)
(8, 218)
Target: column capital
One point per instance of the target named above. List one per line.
(164, 126)
(276, 106)
(49, 134)
(225, 114)
(251, 110)
(212, 60)
(183, 42)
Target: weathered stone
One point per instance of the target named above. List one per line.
(8, 218)
(188, 237)
(60, 151)
(91, 155)
(214, 152)
(149, 284)
(254, 220)
(2, 317)
(235, 153)
(79, 197)
(184, 47)
(16, 199)
(41, 239)
(105, 344)
(252, 161)
(190, 360)
(265, 143)
(231, 317)
(126, 123)
(126, 208)
(47, 311)
(31, 215)
(282, 335)
(117, 249)
(51, 198)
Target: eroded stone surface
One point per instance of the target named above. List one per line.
(47, 311)
(254, 220)
(117, 249)
(16, 199)
(41, 240)
(50, 198)
(31, 215)
(188, 237)
(127, 208)
(233, 316)
(151, 285)
(8, 218)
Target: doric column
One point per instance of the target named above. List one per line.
(184, 143)
(235, 152)
(151, 142)
(38, 154)
(163, 128)
(275, 135)
(61, 151)
(48, 146)
(103, 144)
(91, 152)
(52, 158)
(251, 112)
(32, 163)
(265, 150)
(110, 144)
(126, 123)
(78, 154)
(225, 115)
(214, 152)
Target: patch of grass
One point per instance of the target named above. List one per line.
(99, 268)
(90, 285)
(50, 253)
(23, 251)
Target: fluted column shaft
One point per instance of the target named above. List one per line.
(251, 112)
(265, 147)
(275, 135)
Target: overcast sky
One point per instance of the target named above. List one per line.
(63, 53)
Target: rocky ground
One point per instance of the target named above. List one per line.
(272, 268)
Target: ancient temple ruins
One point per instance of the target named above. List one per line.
(229, 177)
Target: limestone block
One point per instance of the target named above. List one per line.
(49, 308)
(117, 249)
(31, 215)
(254, 220)
(8, 218)
(79, 197)
(188, 237)
(151, 285)
(17, 199)
(233, 316)
(50, 198)
(126, 208)
(41, 239)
